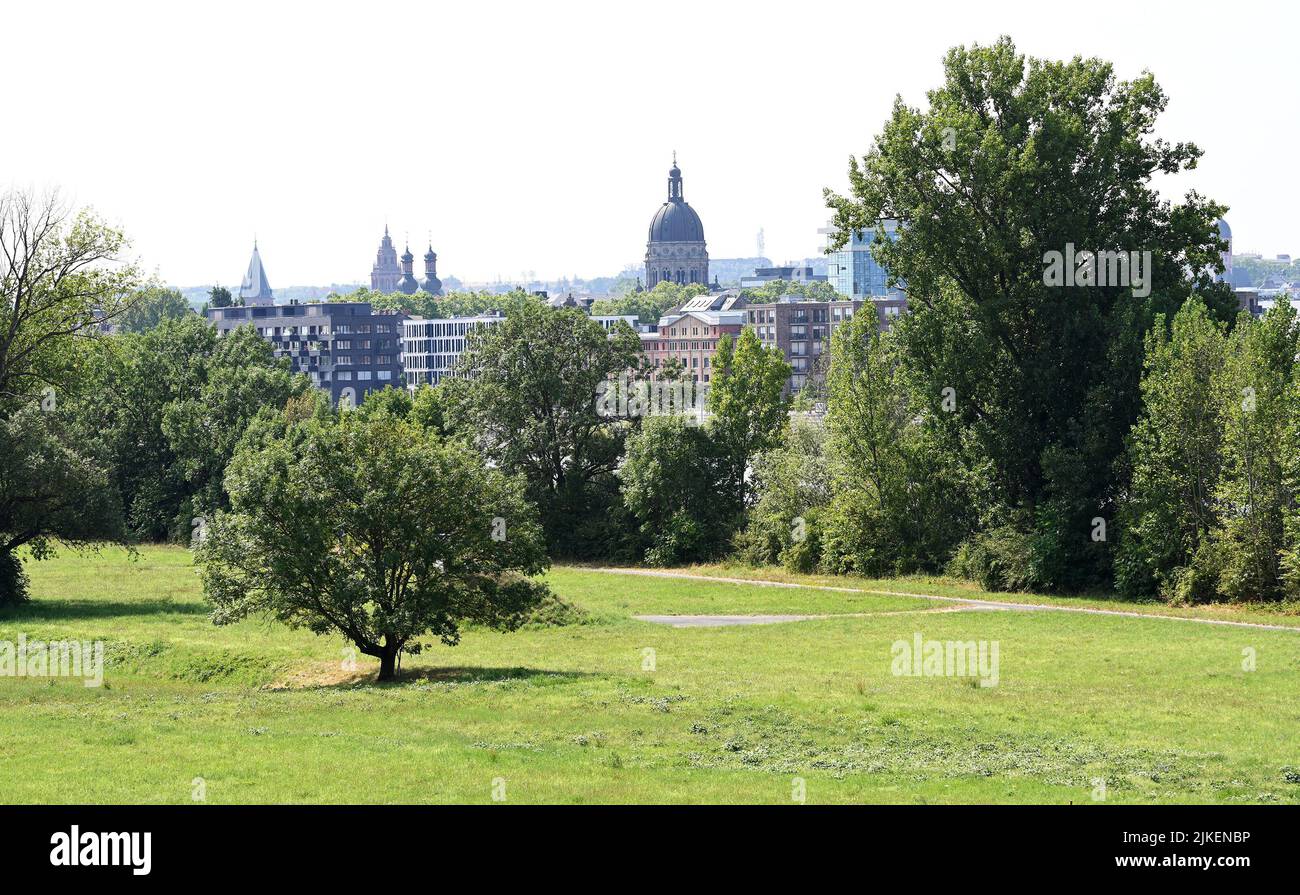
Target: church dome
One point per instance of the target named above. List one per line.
(1225, 232)
(675, 221)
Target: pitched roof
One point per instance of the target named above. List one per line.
(255, 286)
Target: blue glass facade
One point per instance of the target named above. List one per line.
(854, 271)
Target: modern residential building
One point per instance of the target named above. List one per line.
(675, 250)
(854, 271)
(802, 330)
(255, 289)
(432, 346)
(347, 348)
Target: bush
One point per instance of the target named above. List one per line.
(1000, 559)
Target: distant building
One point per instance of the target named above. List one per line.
(793, 274)
(431, 284)
(676, 251)
(255, 289)
(431, 347)
(386, 273)
(391, 274)
(691, 338)
(1225, 233)
(346, 348)
(802, 330)
(408, 284)
(854, 270)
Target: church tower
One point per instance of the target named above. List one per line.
(676, 250)
(385, 275)
(431, 284)
(254, 290)
(408, 284)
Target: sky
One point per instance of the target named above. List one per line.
(535, 138)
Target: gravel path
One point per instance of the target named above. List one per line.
(966, 603)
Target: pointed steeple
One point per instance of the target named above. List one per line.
(255, 289)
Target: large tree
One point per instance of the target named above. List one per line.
(1016, 158)
(527, 398)
(61, 276)
(373, 527)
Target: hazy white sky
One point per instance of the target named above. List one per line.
(537, 136)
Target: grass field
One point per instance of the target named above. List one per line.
(1162, 711)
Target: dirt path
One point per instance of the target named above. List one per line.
(967, 602)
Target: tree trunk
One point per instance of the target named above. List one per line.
(388, 663)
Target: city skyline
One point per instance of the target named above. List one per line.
(514, 157)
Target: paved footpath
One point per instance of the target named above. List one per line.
(690, 621)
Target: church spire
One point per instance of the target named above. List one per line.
(254, 288)
(674, 181)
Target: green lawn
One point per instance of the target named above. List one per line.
(1162, 711)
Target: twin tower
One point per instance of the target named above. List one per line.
(388, 276)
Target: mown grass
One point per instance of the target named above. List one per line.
(1163, 712)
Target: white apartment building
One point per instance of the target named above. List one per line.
(432, 346)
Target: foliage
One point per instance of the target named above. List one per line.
(793, 482)
(900, 502)
(673, 486)
(375, 528)
(171, 404)
(748, 407)
(152, 306)
(53, 488)
(1175, 452)
(776, 290)
(650, 305)
(526, 397)
(1015, 158)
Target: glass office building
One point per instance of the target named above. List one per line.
(854, 271)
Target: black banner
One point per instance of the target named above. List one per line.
(140, 844)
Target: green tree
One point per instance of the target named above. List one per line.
(1016, 158)
(673, 485)
(374, 528)
(54, 487)
(1260, 408)
(60, 277)
(650, 305)
(219, 297)
(151, 306)
(900, 499)
(528, 400)
(748, 406)
(793, 483)
(1175, 454)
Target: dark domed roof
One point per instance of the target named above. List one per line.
(1225, 232)
(676, 222)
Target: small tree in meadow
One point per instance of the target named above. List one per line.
(373, 527)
